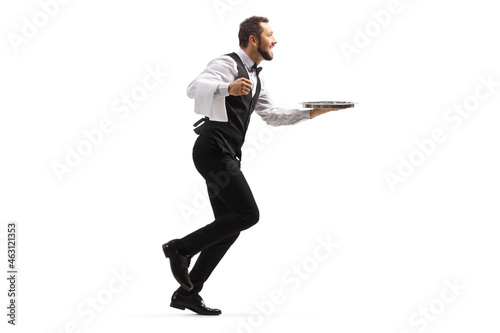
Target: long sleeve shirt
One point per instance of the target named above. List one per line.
(211, 87)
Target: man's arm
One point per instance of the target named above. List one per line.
(317, 112)
(239, 87)
(275, 116)
(221, 70)
(211, 87)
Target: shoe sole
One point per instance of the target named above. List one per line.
(181, 307)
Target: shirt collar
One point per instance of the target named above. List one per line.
(246, 59)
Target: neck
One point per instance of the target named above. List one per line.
(253, 54)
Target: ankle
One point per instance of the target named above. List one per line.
(183, 292)
(180, 248)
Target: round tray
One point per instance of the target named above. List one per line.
(328, 105)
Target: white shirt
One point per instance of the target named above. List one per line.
(211, 87)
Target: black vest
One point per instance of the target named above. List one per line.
(230, 135)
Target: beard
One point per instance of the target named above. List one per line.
(265, 54)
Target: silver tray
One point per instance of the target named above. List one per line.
(328, 105)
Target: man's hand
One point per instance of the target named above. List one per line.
(317, 112)
(240, 87)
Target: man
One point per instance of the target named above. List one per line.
(226, 93)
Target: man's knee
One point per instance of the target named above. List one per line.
(251, 217)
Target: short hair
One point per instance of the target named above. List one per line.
(251, 26)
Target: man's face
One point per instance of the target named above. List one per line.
(266, 42)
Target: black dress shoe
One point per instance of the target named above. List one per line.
(179, 264)
(194, 303)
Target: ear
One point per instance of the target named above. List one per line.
(253, 40)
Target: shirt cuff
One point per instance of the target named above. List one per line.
(223, 89)
(305, 113)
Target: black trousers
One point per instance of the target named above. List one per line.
(232, 203)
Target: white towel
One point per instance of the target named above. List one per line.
(205, 103)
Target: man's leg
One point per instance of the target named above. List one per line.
(234, 210)
(209, 257)
(227, 183)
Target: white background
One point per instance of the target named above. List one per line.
(321, 178)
